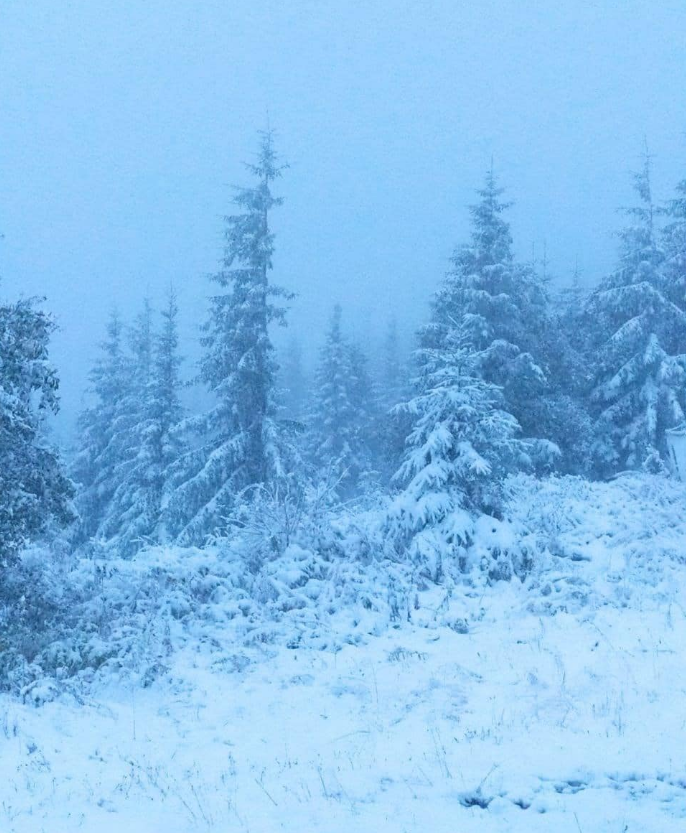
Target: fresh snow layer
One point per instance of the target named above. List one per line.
(559, 705)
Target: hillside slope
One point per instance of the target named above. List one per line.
(554, 705)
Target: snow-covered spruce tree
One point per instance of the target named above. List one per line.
(35, 493)
(392, 384)
(293, 381)
(640, 378)
(134, 515)
(572, 297)
(503, 304)
(461, 447)
(239, 442)
(122, 426)
(575, 325)
(364, 397)
(558, 410)
(391, 426)
(674, 248)
(165, 442)
(340, 409)
(562, 409)
(106, 445)
(121, 523)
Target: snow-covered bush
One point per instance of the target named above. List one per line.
(34, 611)
(323, 575)
(602, 543)
(268, 518)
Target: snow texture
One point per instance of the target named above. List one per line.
(556, 703)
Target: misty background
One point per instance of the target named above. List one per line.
(124, 127)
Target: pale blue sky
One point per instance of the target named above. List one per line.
(124, 124)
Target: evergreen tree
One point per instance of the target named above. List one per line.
(294, 381)
(239, 443)
(390, 426)
(134, 515)
(563, 408)
(577, 332)
(674, 248)
(164, 440)
(127, 518)
(640, 369)
(34, 490)
(341, 403)
(572, 298)
(141, 341)
(502, 303)
(364, 399)
(461, 446)
(392, 382)
(105, 435)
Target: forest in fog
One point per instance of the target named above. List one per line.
(378, 523)
(510, 373)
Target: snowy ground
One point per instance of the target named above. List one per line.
(531, 720)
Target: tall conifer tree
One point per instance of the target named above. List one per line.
(34, 490)
(134, 516)
(501, 302)
(294, 381)
(239, 444)
(341, 405)
(640, 379)
(674, 248)
(104, 432)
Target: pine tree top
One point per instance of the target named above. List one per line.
(491, 238)
(266, 168)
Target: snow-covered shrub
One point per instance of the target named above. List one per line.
(34, 611)
(267, 519)
(602, 543)
(499, 550)
(82, 621)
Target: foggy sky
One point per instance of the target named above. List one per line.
(124, 124)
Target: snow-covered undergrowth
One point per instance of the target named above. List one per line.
(340, 694)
